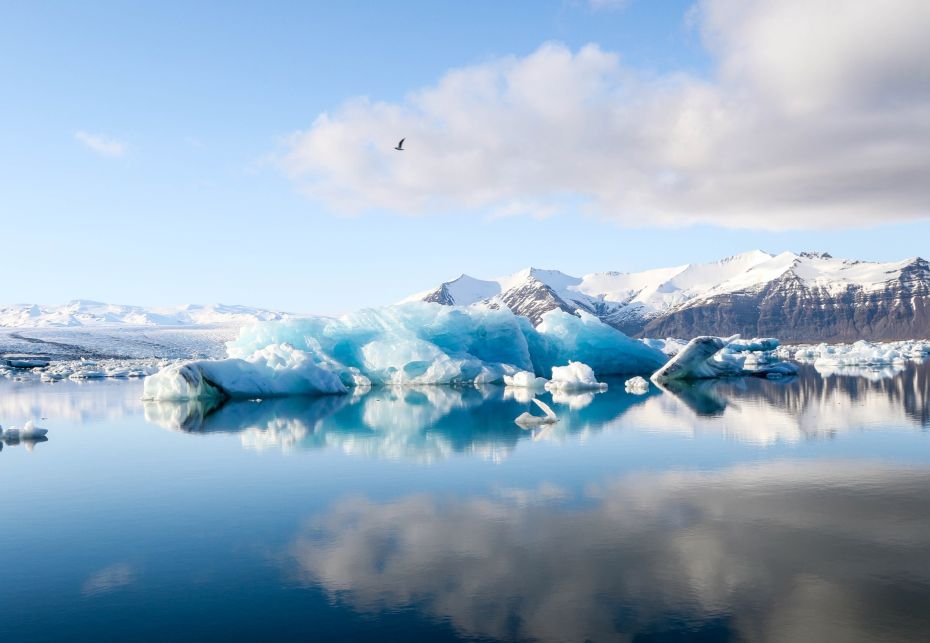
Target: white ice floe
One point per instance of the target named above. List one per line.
(637, 385)
(274, 371)
(709, 357)
(407, 345)
(863, 353)
(576, 376)
(527, 419)
(29, 432)
(525, 379)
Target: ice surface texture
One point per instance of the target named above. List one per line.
(409, 344)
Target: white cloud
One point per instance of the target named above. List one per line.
(818, 116)
(101, 144)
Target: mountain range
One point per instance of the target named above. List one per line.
(806, 297)
(82, 312)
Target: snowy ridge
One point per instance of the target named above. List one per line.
(81, 312)
(640, 302)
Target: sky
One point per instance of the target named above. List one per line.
(241, 152)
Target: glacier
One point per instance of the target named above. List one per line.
(408, 344)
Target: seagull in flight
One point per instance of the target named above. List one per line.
(400, 146)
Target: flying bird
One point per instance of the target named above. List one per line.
(400, 146)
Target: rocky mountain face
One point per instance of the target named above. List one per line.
(807, 297)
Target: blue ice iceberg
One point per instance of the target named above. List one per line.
(410, 344)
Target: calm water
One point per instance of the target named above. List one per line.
(736, 510)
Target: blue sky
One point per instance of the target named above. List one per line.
(141, 151)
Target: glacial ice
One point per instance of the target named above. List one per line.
(670, 346)
(409, 344)
(709, 357)
(528, 419)
(576, 376)
(637, 385)
(525, 379)
(863, 353)
(273, 371)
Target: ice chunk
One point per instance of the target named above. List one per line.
(863, 353)
(525, 379)
(273, 371)
(708, 357)
(576, 376)
(527, 419)
(637, 385)
(561, 337)
(24, 361)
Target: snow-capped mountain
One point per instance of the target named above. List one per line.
(79, 313)
(797, 297)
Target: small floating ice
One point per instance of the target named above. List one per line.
(576, 376)
(29, 432)
(863, 353)
(525, 379)
(528, 419)
(637, 385)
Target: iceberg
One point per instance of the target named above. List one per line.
(710, 357)
(410, 344)
(574, 377)
(637, 385)
(863, 353)
(525, 379)
(273, 371)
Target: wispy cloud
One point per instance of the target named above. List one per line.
(610, 5)
(101, 144)
(817, 115)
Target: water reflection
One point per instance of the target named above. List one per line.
(790, 552)
(431, 423)
(423, 424)
(809, 406)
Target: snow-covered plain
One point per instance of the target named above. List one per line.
(86, 313)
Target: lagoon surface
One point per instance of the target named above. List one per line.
(784, 510)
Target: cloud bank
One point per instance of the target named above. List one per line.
(817, 115)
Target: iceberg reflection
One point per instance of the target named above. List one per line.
(434, 422)
(809, 406)
(423, 424)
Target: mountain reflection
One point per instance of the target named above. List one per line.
(809, 406)
(435, 422)
(790, 552)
